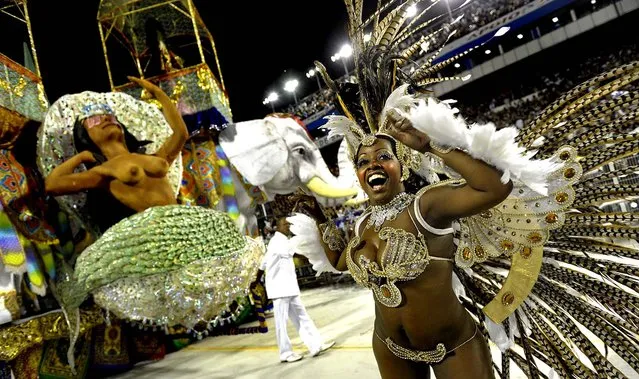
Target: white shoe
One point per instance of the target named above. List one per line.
(294, 357)
(323, 348)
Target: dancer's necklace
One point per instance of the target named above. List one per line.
(389, 211)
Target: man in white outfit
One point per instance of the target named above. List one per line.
(281, 286)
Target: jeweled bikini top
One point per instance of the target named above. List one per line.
(404, 258)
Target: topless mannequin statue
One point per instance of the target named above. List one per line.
(136, 180)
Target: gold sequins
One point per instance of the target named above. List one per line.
(369, 140)
(467, 254)
(552, 218)
(479, 252)
(508, 299)
(428, 357)
(15, 89)
(405, 258)
(507, 245)
(526, 252)
(15, 339)
(535, 237)
(569, 173)
(561, 197)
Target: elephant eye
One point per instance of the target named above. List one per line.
(300, 150)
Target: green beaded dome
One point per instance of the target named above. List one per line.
(158, 240)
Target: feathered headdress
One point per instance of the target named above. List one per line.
(385, 83)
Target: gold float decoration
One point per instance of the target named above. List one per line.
(17, 338)
(21, 89)
(175, 58)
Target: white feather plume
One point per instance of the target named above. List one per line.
(347, 173)
(498, 335)
(307, 243)
(399, 99)
(484, 142)
(427, 170)
(343, 126)
(338, 125)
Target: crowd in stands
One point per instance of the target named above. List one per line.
(475, 15)
(518, 105)
(522, 103)
(312, 104)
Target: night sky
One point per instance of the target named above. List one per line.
(260, 45)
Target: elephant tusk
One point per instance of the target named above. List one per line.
(320, 187)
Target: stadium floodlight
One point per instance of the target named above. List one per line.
(346, 51)
(411, 11)
(291, 86)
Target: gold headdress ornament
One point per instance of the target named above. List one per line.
(381, 80)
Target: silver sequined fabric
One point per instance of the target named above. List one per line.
(170, 265)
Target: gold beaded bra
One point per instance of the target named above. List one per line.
(404, 258)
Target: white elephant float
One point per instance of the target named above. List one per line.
(277, 154)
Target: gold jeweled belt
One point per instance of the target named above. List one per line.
(426, 356)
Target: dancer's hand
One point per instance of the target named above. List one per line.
(308, 205)
(149, 87)
(86, 157)
(172, 147)
(402, 129)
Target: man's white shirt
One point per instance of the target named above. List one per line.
(281, 279)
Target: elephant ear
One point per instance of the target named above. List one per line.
(256, 150)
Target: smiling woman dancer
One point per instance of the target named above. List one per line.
(453, 262)
(403, 250)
